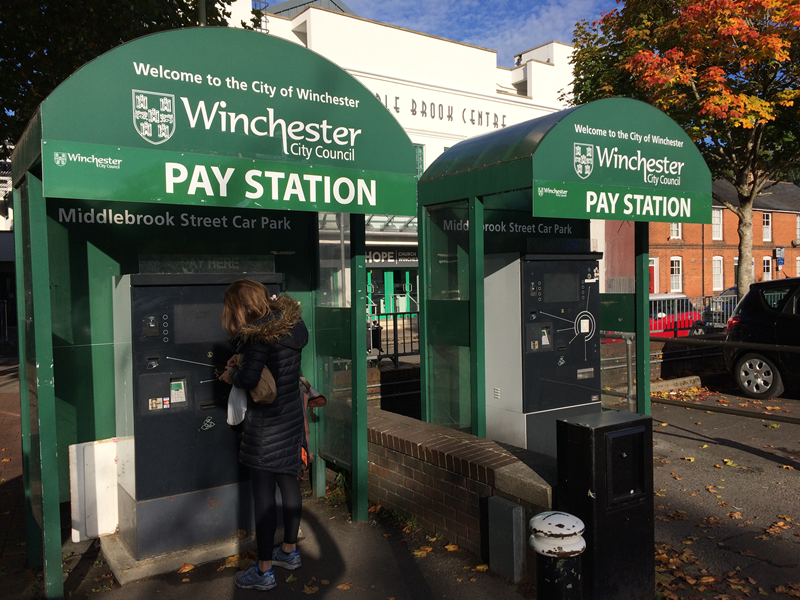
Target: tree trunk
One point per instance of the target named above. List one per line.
(745, 275)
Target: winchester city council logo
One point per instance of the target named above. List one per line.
(584, 159)
(60, 158)
(154, 115)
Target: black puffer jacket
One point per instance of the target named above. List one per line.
(273, 433)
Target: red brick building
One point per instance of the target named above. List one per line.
(702, 260)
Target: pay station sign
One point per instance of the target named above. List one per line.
(224, 117)
(620, 159)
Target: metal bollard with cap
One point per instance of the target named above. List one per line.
(556, 538)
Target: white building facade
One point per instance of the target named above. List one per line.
(441, 91)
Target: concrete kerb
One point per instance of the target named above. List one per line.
(680, 383)
(127, 569)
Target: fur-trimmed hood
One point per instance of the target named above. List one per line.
(277, 326)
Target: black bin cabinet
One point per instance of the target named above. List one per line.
(605, 478)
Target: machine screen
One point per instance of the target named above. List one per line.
(196, 323)
(561, 287)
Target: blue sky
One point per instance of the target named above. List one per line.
(508, 26)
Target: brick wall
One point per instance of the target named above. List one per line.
(441, 477)
(697, 249)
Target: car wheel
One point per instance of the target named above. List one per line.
(758, 377)
(698, 328)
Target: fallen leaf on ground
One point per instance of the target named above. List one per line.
(689, 458)
(481, 568)
(375, 508)
(704, 446)
(792, 591)
(734, 515)
(747, 553)
(310, 589)
(185, 580)
(344, 586)
(185, 568)
(664, 424)
(291, 579)
(730, 463)
(787, 467)
(420, 553)
(772, 407)
(426, 548)
(241, 534)
(773, 426)
(451, 547)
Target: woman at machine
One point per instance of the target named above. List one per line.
(272, 333)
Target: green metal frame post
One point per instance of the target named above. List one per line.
(34, 532)
(642, 300)
(45, 394)
(318, 468)
(422, 294)
(358, 332)
(477, 334)
(388, 291)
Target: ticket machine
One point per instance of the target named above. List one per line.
(179, 479)
(542, 344)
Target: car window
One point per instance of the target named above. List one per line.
(774, 297)
(793, 305)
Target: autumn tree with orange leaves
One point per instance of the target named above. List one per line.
(727, 71)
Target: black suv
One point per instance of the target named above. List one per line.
(768, 314)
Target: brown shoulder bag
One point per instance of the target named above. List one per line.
(265, 391)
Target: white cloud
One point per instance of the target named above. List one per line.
(508, 26)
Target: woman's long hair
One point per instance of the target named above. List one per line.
(246, 301)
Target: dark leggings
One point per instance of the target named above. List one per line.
(266, 510)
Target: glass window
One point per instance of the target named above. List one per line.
(262, 6)
(716, 267)
(767, 268)
(767, 229)
(676, 274)
(716, 224)
(773, 297)
(419, 149)
(675, 231)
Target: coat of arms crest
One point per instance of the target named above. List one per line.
(153, 115)
(583, 159)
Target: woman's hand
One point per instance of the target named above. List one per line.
(225, 376)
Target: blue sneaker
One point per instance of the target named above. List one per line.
(251, 579)
(290, 561)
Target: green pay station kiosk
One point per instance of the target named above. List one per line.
(511, 308)
(146, 183)
(510, 284)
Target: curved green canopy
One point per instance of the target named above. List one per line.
(611, 159)
(221, 117)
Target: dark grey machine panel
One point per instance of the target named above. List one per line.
(561, 342)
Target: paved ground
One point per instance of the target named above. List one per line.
(727, 499)
(727, 514)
